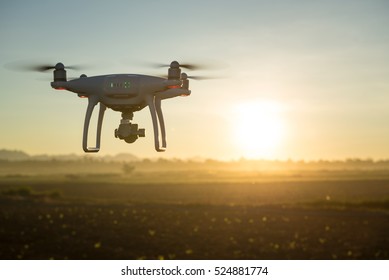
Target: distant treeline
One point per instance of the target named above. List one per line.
(8, 156)
(87, 163)
(22, 164)
(15, 155)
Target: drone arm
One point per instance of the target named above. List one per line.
(151, 104)
(92, 102)
(173, 92)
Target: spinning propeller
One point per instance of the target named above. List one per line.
(174, 71)
(23, 66)
(175, 64)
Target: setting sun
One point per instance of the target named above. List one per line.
(259, 128)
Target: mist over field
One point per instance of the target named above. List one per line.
(123, 207)
(127, 168)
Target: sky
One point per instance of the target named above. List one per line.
(301, 80)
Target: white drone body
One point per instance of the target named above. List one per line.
(126, 93)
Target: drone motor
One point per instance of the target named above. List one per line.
(59, 73)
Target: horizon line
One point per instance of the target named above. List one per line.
(196, 158)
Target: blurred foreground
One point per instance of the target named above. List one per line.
(91, 209)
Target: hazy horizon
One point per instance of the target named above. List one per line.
(192, 158)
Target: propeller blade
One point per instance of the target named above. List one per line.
(207, 65)
(75, 67)
(36, 67)
(199, 78)
(196, 77)
(49, 78)
(192, 66)
(20, 66)
(189, 66)
(159, 65)
(39, 68)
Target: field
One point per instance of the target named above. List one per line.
(206, 215)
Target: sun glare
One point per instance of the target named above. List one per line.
(259, 128)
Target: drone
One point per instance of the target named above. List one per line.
(125, 93)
